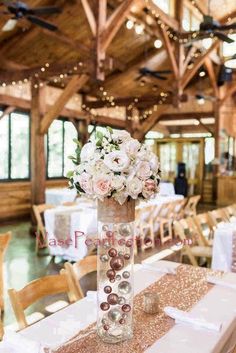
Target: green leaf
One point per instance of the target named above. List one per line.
(70, 174)
(99, 135)
(110, 129)
(71, 157)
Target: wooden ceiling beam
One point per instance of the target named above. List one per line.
(197, 64)
(230, 90)
(125, 101)
(188, 58)
(168, 20)
(170, 51)
(6, 111)
(54, 69)
(151, 121)
(231, 15)
(186, 116)
(72, 87)
(114, 22)
(90, 16)
(205, 126)
(212, 76)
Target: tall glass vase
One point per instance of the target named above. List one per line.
(115, 270)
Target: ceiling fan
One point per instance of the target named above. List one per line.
(20, 10)
(212, 28)
(159, 74)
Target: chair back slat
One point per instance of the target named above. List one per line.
(79, 269)
(38, 289)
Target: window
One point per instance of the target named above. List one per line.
(59, 146)
(15, 140)
(229, 49)
(164, 5)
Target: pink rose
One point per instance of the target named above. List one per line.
(102, 186)
(150, 185)
(150, 188)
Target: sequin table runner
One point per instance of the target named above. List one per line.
(233, 267)
(182, 291)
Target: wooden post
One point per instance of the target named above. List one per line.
(38, 159)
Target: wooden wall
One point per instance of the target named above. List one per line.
(226, 190)
(15, 198)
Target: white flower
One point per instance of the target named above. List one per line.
(121, 196)
(121, 135)
(97, 168)
(131, 147)
(134, 187)
(117, 161)
(117, 182)
(85, 182)
(143, 170)
(87, 151)
(102, 186)
(154, 164)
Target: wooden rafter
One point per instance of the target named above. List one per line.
(6, 111)
(230, 90)
(207, 128)
(186, 116)
(198, 63)
(212, 75)
(114, 22)
(72, 87)
(100, 50)
(188, 58)
(148, 124)
(90, 16)
(54, 69)
(170, 51)
(168, 20)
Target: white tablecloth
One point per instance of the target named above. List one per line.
(58, 196)
(219, 305)
(83, 218)
(167, 189)
(223, 246)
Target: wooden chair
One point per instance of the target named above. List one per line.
(163, 222)
(205, 228)
(177, 209)
(79, 269)
(39, 288)
(4, 241)
(41, 231)
(190, 247)
(230, 211)
(144, 228)
(217, 216)
(190, 208)
(69, 203)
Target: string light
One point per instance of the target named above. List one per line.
(158, 43)
(129, 24)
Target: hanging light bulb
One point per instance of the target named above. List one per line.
(202, 73)
(139, 28)
(200, 99)
(158, 43)
(129, 24)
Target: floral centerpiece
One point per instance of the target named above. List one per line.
(116, 165)
(116, 170)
